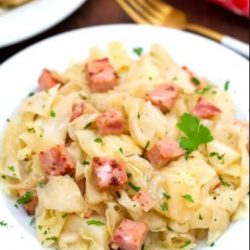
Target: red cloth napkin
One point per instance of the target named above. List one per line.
(240, 7)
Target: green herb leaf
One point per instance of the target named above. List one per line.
(223, 182)
(85, 163)
(129, 175)
(138, 51)
(95, 223)
(188, 198)
(52, 238)
(11, 168)
(226, 85)
(166, 195)
(220, 157)
(204, 90)
(196, 133)
(52, 113)
(212, 244)
(89, 125)
(3, 224)
(26, 198)
(99, 140)
(8, 120)
(138, 116)
(164, 207)
(188, 243)
(135, 188)
(31, 94)
(196, 81)
(147, 145)
(121, 150)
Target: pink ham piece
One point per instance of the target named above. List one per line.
(130, 235)
(164, 151)
(145, 199)
(80, 108)
(109, 173)
(111, 122)
(205, 109)
(47, 80)
(56, 161)
(164, 96)
(101, 75)
(30, 207)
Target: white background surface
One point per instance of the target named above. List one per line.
(33, 18)
(18, 77)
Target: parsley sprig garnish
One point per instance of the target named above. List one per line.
(196, 134)
(138, 51)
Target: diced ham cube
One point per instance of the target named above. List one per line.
(56, 161)
(101, 75)
(164, 151)
(130, 235)
(109, 172)
(145, 199)
(47, 80)
(80, 107)
(205, 109)
(111, 122)
(164, 96)
(30, 207)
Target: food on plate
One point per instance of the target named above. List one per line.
(12, 3)
(127, 152)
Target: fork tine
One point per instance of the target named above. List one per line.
(132, 13)
(144, 12)
(151, 9)
(159, 5)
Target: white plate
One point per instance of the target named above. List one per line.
(18, 77)
(35, 17)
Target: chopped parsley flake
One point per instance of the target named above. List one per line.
(99, 140)
(85, 163)
(220, 157)
(138, 51)
(139, 116)
(200, 217)
(121, 150)
(196, 133)
(135, 188)
(26, 198)
(41, 185)
(52, 238)
(175, 79)
(147, 145)
(31, 130)
(164, 207)
(166, 195)
(95, 223)
(3, 177)
(188, 198)
(129, 175)
(52, 113)
(196, 81)
(64, 216)
(89, 125)
(11, 168)
(204, 90)
(188, 243)
(8, 120)
(3, 224)
(170, 229)
(40, 227)
(226, 85)
(212, 244)
(31, 94)
(223, 182)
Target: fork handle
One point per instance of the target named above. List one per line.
(232, 43)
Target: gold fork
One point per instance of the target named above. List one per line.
(157, 12)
